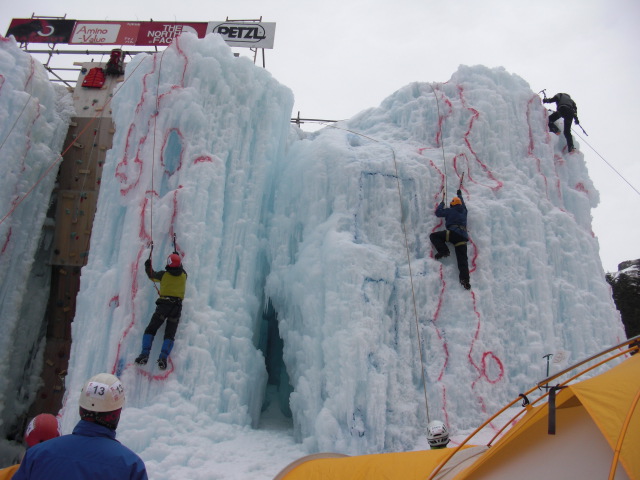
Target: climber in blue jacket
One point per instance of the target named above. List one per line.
(455, 218)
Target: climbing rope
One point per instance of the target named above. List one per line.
(605, 161)
(444, 162)
(153, 154)
(406, 244)
(16, 121)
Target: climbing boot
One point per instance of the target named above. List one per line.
(142, 359)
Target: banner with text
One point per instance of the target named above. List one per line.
(245, 34)
(163, 33)
(105, 33)
(95, 32)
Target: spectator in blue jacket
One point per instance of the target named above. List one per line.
(91, 452)
(455, 218)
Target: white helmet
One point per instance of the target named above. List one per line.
(102, 393)
(437, 434)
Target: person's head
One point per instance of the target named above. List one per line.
(455, 201)
(437, 434)
(41, 428)
(174, 261)
(101, 400)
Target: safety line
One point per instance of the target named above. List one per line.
(605, 161)
(444, 162)
(153, 154)
(406, 244)
(16, 122)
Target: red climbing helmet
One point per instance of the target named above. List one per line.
(174, 260)
(41, 428)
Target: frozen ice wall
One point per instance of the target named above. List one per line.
(197, 134)
(34, 118)
(332, 230)
(353, 277)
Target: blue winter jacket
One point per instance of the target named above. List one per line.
(455, 218)
(91, 452)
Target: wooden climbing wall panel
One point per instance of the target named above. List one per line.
(74, 219)
(79, 183)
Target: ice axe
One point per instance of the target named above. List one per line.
(543, 92)
(548, 357)
(582, 129)
(149, 260)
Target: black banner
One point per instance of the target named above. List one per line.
(41, 30)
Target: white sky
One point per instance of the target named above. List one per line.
(341, 57)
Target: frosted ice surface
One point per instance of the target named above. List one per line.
(332, 228)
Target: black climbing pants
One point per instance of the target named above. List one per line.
(168, 310)
(567, 116)
(439, 241)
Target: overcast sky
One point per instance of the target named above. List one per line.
(340, 57)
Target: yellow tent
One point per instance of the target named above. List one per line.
(403, 465)
(596, 420)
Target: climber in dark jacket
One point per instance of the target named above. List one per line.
(455, 218)
(568, 110)
(173, 283)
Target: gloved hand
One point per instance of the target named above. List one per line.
(147, 263)
(577, 121)
(459, 192)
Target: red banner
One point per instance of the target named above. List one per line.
(163, 33)
(94, 32)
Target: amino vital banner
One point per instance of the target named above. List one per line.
(105, 33)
